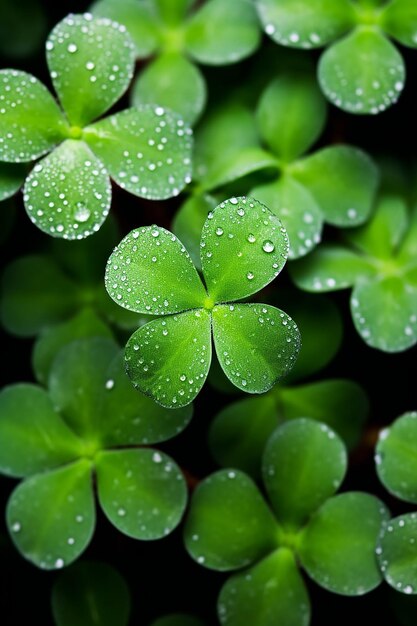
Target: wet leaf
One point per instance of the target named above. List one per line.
(142, 492)
(84, 54)
(12, 177)
(229, 525)
(68, 193)
(146, 149)
(397, 553)
(51, 537)
(169, 358)
(362, 73)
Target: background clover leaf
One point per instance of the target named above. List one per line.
(397, 553)
(12, 176)
(361, 71)
(334, 537)
(396, 457)
(375, 262)
(89, 591)
(61, 439)
(180, 35)
(256, 344)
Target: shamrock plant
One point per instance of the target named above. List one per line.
(178, 35)
(379, 261)
(64, 283)
(145, 149)
(396, 464)
(336, 184)
(361, 71)
(231, 527)
(243, 248)
(90, 423)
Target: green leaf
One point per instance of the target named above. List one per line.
(172, 81)
(396, 457)
(239, 164)
(36, 294)
(140, 277)
(408, 248)
(347, 192)
(337, 547)
(229, 525)
(305, 23)
(83, 324)
(68, 194)
(172, 13)
(363, 73)
(142, 492)
(146, 149)
(341, 404)
(320, 325)
(384, 313)
(31, 122)
(115, 314)
(169, 358)
(33, 437)
(178, 619)
(399, 20)
(189, 221)
(130, 418)
(239, 432)
(222, 32)
(304, 463)
(243, 248)
(397, 553)
(383, 233)
(270, 593)
(12, 177)
(139, 19)
(330, 268)
(256, 344)
(296, 207)
(90, 593)
(53, 536)
(84, 54)
(281, 114)
(77, 383)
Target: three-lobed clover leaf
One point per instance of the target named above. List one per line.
(89, 424)
(64, 285)
(361, 71)
(146, 149)
(179, 35)
(396, 465)
(379, 261)
(336, 184)
(243, 248)
(333, 537)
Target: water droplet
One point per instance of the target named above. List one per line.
(251, 238)
(110, 384)
(249, 275)
(268, 246)
(59, 563)
(82, 214)
(72, 48)
(219, 231)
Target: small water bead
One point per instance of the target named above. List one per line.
(219, 231)
(110, 384)
(59, 563)
(251, 238)
(156, 457)
(250, 275)
(72, 48)
(268, 246)
(16, 527)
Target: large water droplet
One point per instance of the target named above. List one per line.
(268, 246)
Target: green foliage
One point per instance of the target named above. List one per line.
(378, 261)
(180, 35)
(89, 409)
(233, 143)
(230, 526)
(43, 290)
(88, 593)
(68, 193)
(361, 71)
(243, 247)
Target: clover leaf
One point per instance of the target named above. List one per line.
(396, 461)
(40, 291)
(89, 592)
(378, 260)
(336, 184)
(145, 149)
(243, 248)
(230, 526)
(180, 36)
(89, 424)
(361, 71)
